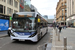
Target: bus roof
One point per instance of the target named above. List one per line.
(23, 12)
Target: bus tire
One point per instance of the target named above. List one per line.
(41, 35)
(8, 32)
(38, 36)
(46, 31)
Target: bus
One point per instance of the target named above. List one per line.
(28, 26)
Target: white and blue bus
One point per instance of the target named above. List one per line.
(28, 26)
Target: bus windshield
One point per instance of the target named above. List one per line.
(23, 24)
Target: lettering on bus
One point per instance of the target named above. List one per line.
(29, 16)
(20, 15)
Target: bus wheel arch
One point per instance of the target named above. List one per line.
(46, 30)
(41, 34)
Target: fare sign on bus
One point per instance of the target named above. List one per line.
(38, 19)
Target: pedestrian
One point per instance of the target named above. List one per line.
(57, 26)
(64, 26)
(60, 28)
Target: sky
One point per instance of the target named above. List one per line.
(46, 7)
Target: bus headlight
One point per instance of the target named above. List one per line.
(12, 34)
(33, 35)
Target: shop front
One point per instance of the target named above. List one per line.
(4, 22)
(71, 21)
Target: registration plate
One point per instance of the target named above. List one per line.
(21, 40)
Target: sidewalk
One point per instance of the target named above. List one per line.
(3, 34)
(58, 45)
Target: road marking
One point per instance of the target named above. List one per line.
(53, 41)
(4, 44)
(0, 47)
(68, 47)
(38, 48)
(1, 38)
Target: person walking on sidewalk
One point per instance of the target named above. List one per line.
(60, 28)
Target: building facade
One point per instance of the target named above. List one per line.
(45, 17)
(50, 22)
(22, 8)
(70, 13)
(27, 5)
(7, 7)
(61, 12)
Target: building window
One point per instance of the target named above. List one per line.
(9, 11)
(65, 17)
(27, 3)
(62, 18)
(73, 6)
(4, 9)
(65, 9)
(3, 0)
(15, 3)
(10, 2)
(62, 10)
(62, 14)
(62, 4)
(65, 3)
(15, 11)
(1, 8)
(65, 14)
(21, 1)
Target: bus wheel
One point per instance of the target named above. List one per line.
(38, 36)
(41, 35)
(46, 31)
(8, 32)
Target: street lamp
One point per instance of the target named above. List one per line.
(55, 18)
(54, 22)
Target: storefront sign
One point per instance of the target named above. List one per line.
(71, 18)
(4, 24)
(1, 16)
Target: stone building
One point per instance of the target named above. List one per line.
(61, 12)
(7, 7)
(70, 13)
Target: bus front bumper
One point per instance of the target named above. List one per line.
(20, 38)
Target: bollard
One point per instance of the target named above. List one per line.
(56, 31)
(58, 36)
(65, 43)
